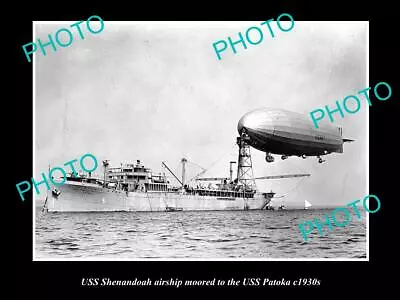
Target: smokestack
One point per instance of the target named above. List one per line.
(231, 170)
(184, 160)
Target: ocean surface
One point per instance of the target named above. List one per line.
(190, 235)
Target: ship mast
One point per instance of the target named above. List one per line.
(105, 165)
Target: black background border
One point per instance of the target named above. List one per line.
(52, 278)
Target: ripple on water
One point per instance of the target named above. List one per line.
(353, 240)
(323, 247)
(62, 241)
(267, 240)
(275, 227)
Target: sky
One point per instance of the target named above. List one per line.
(157, 92)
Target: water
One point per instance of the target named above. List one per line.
(191, 235)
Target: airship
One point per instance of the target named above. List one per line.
(286, 133)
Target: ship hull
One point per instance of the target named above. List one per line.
(83, 197)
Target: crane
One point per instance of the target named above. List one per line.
(263, 177)
(211, 178)
(282, 176)
(164, 164)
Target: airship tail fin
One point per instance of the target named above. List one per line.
(347, 140)
(340, 150)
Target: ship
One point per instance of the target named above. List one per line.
(132, 187)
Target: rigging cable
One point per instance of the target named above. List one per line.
(212, 164)
(298, 183)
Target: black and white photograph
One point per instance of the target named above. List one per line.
(194, 141)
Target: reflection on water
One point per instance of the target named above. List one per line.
(191, 235)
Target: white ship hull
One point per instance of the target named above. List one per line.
(85, 197)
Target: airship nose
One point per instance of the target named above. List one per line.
(256, 121)
(249, 121)
(241, 124)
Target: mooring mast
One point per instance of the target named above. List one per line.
(245, 167)
(245, 176)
